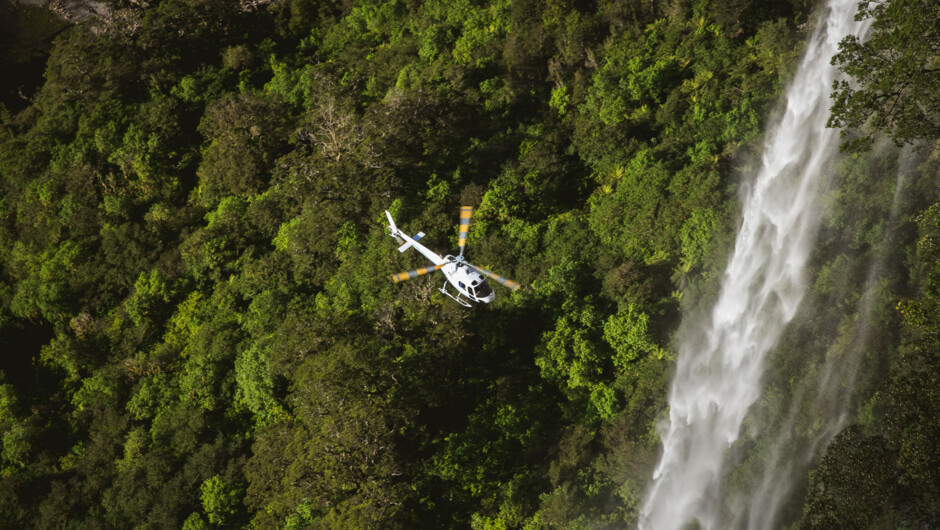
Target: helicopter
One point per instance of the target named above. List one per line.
(467, 279)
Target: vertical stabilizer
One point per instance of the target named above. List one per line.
(391, 224)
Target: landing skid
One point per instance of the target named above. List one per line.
(457, 298)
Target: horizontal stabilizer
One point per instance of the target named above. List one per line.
(408, 244)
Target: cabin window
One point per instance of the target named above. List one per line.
(462, 286)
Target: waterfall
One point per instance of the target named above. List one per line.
(825, 395)
(721, 360)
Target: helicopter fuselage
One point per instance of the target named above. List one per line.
(467, 280)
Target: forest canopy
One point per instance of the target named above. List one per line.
(196, 321)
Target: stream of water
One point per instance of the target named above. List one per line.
(721, 359)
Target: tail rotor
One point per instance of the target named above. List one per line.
(393, 229)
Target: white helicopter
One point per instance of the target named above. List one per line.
(466, 278)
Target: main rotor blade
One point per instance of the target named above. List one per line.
(465, 213)
(402, 276)
(505, 281)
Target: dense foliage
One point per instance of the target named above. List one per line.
(884, 471)
(894, 73)
(196, 321)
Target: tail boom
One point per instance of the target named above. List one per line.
(412, 242)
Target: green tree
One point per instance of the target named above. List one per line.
(853, 484)
(897, 72)
(219, 500)
(245, 135)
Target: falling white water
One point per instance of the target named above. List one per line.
(829, 396)
(721, 361)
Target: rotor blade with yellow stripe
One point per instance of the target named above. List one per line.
(465, 213)
(402, 276)
(505, 281)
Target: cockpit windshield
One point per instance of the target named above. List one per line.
(483, 290)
